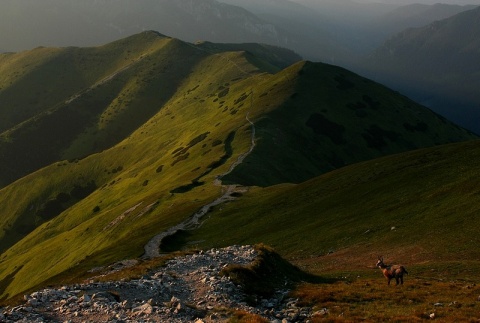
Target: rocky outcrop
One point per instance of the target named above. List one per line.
(187, 289)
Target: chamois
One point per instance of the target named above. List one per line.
(392, 271)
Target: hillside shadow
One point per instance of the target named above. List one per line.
(5, 282)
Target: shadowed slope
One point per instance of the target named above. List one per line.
(418, 206)
(334, 118)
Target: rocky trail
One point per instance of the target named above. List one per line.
(187, 289)
(152, 248)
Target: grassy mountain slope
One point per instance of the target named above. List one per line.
(419, 207)
(155, 130)
(99, 95)
(91, 91)
(352, 119)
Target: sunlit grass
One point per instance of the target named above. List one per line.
(139, 172)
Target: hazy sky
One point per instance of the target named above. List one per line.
(460, 2)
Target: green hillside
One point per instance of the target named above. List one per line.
(335, 118)
(132, 142)
(420, 207)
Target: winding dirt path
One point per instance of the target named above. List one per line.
(152, 248)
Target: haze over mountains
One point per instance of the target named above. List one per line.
(438, 65)
(29, 24)
(112, 136)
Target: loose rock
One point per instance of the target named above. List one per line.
(187, 289)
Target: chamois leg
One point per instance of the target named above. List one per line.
(396, 281)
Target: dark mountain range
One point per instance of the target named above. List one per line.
(91, 22)
(339, 32)
(103, 148)
(417, 15)
(437, 65)
(336, 32)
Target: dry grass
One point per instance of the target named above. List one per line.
(372, 300)
(245, 317)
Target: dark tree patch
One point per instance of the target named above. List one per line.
(216, 142)
(420, 127)
(183, 150)
(198, 139)
(187, 188)
(180, 158)
(224, 92)
(322, 126)
(375, 137)
(116, 170)
(241, 98)
(196, 182)
(193, 89)
(228, 152)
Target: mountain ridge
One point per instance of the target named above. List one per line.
(105, 205)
